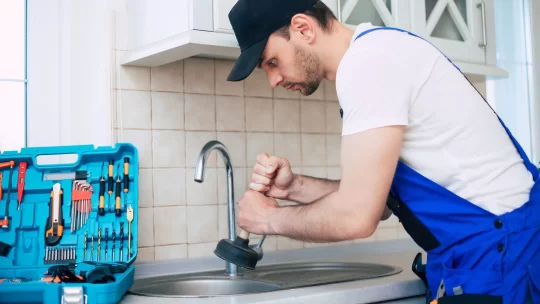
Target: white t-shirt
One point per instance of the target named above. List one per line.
(452, 135)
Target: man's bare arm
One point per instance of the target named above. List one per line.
(369, 161)
(307, 189)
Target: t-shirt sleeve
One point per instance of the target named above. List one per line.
(374, 90)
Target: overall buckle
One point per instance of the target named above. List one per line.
(419, 269)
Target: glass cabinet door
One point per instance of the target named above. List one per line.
(457, 27)
(393, 13)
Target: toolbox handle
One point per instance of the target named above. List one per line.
(57, 151)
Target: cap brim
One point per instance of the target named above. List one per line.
(247, 61)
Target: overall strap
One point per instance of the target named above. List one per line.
(530, 166)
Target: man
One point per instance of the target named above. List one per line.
(414, 128)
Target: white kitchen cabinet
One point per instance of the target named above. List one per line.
(164, 31)
(222, 8)
(393, 13)
(221, 15)
(462, 29)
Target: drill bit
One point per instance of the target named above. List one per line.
(121, 241)
(113, 243)
(99, 244)
(92, 250)
(85, 242)
(106, 241)
(130, 219)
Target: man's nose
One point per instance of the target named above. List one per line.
(275, 79)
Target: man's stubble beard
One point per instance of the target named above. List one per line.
(309, 67)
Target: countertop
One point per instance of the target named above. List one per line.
(398, 253)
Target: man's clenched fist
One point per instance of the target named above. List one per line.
(272, 175)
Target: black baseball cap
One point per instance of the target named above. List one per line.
(253, 21)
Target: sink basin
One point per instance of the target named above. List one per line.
(263, 279)
(210, 286)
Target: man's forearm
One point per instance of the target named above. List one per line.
(326, 220)
(307, 189)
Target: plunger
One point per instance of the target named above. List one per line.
(238, 251)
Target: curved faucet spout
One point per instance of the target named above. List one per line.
(203, 156)
(231, 268)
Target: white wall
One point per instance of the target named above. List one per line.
(69, 64)
(535, 106)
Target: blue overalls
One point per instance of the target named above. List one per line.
(474, 256)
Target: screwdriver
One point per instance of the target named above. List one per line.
(5, 222)
(1, 193)
(101, 208)
(126, 180)
(20, 184)
(117, 208)
(110, 181)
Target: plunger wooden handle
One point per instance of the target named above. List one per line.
(244, 234)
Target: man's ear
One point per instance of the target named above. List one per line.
(302, 26)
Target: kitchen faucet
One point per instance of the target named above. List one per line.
(231, 269)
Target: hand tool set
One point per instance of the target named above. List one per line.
(60, 230)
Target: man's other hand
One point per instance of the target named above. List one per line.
(254, 212)
(272, 175)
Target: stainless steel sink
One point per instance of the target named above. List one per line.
(263, 279)
(209, 286)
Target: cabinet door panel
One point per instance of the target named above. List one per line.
(456, 27)
(223, 7)
(221, 15)
(393, 13)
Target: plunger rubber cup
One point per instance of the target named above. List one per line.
(238, 251)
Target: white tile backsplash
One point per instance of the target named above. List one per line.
(145, 254)
(168, 77)
(170, 225)
(224, 87)
(236, 145)
(230, 113)
(313, 149)
(286, 115)
(201, 250)
(289, 147)
(169, 149)
(259, 143)
(202, 224)
(170, 112)
(131, 77)
(312, 117)
(257, 85)
(259, 114)
(142, 139)
(169, 187)
(171, 252)
(199, 76)
(333, 150)
(146, 227)
(129, 119)
(200, 112)
(146, 194)
(167, 111)
(333, 118)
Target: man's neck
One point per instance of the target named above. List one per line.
(334, 49)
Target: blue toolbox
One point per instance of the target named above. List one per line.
(68, 231)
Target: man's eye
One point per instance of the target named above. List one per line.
(272, 62)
